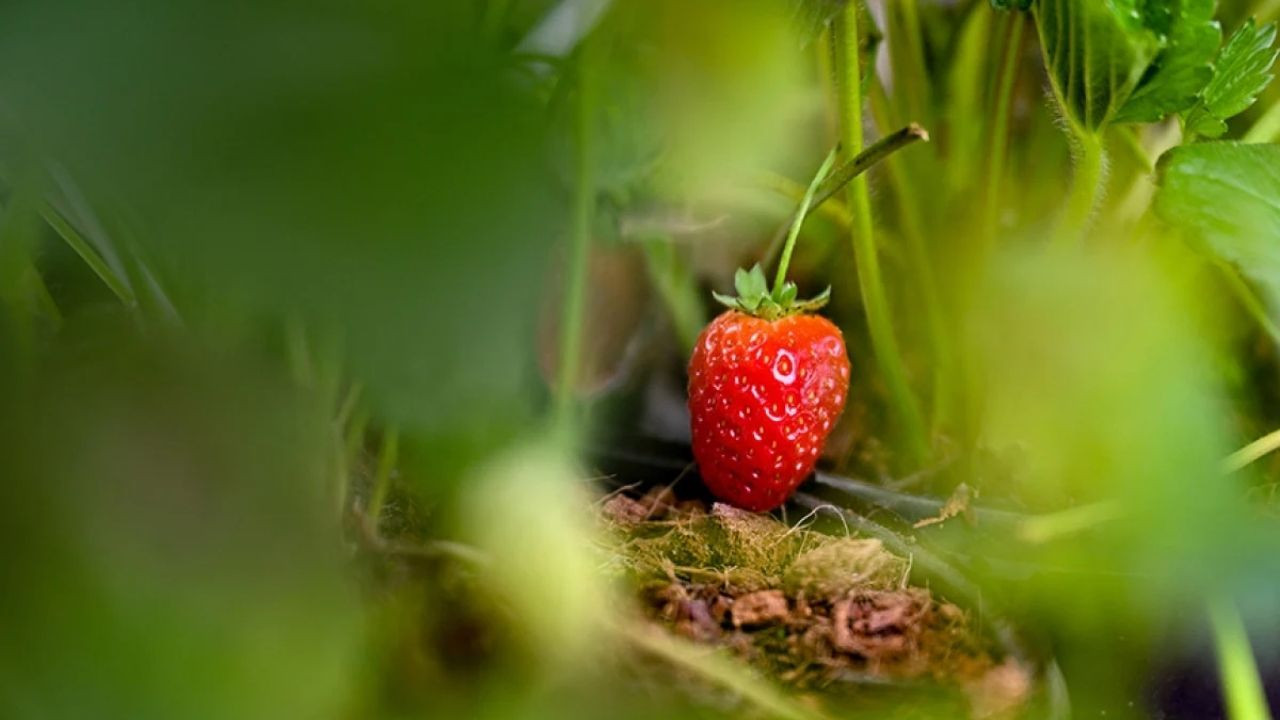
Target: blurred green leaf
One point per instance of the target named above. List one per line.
(714, 125)
(1243, 69)
(526, 513)
(336, 163)
(1181, 70)
(166, 506)
(1226, 197)
(1243, 689)
(1108, 393)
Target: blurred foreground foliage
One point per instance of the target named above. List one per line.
(287, 290)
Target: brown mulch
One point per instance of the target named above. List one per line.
(811, 609)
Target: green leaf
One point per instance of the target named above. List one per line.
(813, 16)
(1226, 197)
(1096, 52)
(1242, 71)
(757, 286)
(1173, 82)
(728, 301)
(814, 304)
(741, 282)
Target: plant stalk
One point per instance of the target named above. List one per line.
(580, 242)
(906, 55)
(1249, 300)
(999, 140)
(785, 261)
(677, 288)
(838, 180)
(875, 303)
(1251, 453)
(909, 214)
(1241, 686)
(1086, 186)
(868, 158)
(352, 443)
(387, 454)
(40, 291)
(1267, 127)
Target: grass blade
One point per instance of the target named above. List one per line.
(115, 282)
(1241, 686)
(584, 199)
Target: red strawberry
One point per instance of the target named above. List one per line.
(767, 382)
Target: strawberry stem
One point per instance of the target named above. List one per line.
(794, 233)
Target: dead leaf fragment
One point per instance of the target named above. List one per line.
(759, 608)
(956, 505)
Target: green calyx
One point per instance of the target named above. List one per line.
(755, 298)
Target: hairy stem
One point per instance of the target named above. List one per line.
(875, 303)
(1086, 186)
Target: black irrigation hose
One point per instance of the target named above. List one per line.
(910, 507)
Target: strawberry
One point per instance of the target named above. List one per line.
(767, 381)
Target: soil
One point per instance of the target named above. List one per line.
(818, 612)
